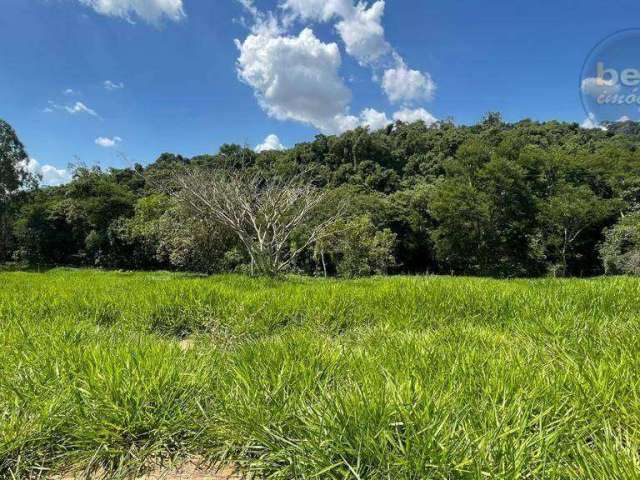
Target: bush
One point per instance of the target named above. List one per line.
(620, 251)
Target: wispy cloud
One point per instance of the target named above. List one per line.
(150, 11)
(109, 85)
(74, 109)
(80, 107)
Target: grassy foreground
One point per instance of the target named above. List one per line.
(399, 378)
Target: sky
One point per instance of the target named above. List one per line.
(113, 82)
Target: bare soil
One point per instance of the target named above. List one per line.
(188, 471)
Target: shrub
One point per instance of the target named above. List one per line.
(620, 250)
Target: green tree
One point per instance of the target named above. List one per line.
(567, 216)
(486, 215)
(14, 175)
(620, 250)
(358, 249)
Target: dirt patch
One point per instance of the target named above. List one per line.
(189, 471)
(192, 472)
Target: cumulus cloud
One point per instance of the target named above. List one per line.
(109, 85)
(359, 27)
(373, 119)
(363, 34)
(590, 123)
(70, 92)
(369, 117)
(409, 116)
(107, 142)
(272, 142)
(48, 174)
(295, 78)
(151, 11)
(405, 85)
(598, 86)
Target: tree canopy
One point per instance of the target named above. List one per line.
(492, 199)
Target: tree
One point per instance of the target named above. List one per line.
(620, 250)
(13, 162)
(13, 176)
(462, 238)
(360, 250)
(567, 214)
(264, 213)
(486, 215)
(492, 199)
(97, 199)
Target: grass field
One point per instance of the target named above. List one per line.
(397, 378)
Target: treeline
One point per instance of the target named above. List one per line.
(492, 199)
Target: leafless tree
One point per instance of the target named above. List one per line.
(263, 213)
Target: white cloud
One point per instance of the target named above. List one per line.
(267, 24)
(49, 174)
(369, 117)
(404, 85)
(359, 27)
(151, 11)
(70, 92)
(318, 10)
(409, 116)
(598, 86)
(250, 7)
(272, 142)
(590, 123)
(107, 142)
(296, 78)
(109, 85)
(74, 109)
(342, 123)
(80, 107)
(373, 119)
(623, 119)
(363, 34)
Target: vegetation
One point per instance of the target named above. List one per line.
(493, 199)
(13, 176)
(296, 377)
(403, 378)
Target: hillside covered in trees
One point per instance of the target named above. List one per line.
(492, 199)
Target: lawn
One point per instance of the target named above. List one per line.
(383, 378)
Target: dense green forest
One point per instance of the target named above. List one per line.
(492, 199)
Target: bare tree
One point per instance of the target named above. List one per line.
(263, 213)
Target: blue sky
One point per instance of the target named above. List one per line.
(180, 81)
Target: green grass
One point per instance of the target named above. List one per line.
(398, 378)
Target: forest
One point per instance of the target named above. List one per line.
(494, 199)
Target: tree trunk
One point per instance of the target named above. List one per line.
(564, 253)
(324, 263)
